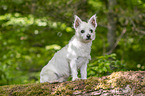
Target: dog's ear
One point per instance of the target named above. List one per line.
(77, 21)
(92, 21)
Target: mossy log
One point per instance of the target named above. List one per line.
(118, 83)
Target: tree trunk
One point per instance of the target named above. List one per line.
(33, 7)
(111, 24)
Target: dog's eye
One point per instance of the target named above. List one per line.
(82, 31)
(91, 30)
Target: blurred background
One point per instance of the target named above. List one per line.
(31, 31)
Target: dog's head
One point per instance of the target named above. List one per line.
(85, 32)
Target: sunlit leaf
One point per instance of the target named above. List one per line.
(54, 46)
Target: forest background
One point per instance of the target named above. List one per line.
(31, 31)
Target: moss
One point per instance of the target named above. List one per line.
(143, 83)
(135, 80)
(121, 80)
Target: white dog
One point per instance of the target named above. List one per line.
(73, 56)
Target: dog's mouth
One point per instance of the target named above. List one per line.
(88, 39)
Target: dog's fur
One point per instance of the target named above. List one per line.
(73, 56)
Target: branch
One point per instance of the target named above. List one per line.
(117, 41)
(143, 32)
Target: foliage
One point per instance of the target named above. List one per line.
(18, 52)
(31, 31)
(105, 65)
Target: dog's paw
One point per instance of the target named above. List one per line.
(74, 79)
(83, 78)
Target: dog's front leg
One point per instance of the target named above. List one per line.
(73, 67)
(83, 70)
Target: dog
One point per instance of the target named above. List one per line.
(72, 57)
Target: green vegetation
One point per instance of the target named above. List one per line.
(31, 31)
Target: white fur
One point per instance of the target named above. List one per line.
(73, 56)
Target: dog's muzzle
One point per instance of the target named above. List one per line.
(88, 37)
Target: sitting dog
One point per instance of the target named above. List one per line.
(73, 56)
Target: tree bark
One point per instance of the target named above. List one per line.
(33, 7)
(111, 35)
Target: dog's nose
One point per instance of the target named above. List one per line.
(88, 36)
